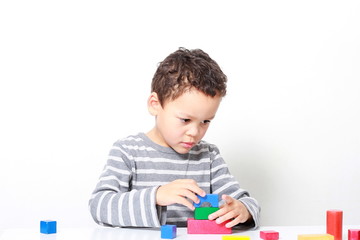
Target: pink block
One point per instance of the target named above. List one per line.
(354, 234)
(269, 235)
(206, 227)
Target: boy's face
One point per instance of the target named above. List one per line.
(183, 122)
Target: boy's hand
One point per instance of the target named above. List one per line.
(232, 210)
(177, 192)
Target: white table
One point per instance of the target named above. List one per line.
(104, 233)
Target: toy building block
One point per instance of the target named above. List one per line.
(235, 237)
(213, 199)
(354, 234)
(334, 223)
(168, 231)
(269, 235)
(47, 226)
(315, 237)
(195, 226)
(203, 213)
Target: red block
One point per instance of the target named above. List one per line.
(334, 223)
(354, 234)
(269, 235)
(206, 227)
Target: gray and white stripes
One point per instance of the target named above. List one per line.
(136, 167)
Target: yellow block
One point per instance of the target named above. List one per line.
(315, 237)
(235, 237)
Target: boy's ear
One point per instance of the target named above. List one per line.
(153, 104)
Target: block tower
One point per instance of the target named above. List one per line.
(201, 224)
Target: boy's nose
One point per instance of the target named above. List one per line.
(193, 131)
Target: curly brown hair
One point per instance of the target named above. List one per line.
(185, 69)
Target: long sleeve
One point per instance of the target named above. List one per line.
(222, 182)
(125, 195)
(115, 203)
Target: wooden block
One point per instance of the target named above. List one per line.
(168, 231)
(213, 199)
(206, 227)
(269, 235)
(354, 234)
(315, 237)
(235, 237)
(47, 227)
(203, 213)
(334, 223)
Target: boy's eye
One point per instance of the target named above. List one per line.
(185, 120)
(206, 121)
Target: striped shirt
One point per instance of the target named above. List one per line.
(136, 167)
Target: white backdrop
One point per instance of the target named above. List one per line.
(75, 76)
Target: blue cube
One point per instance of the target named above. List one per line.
(168, 231)
(212, 199)
(47, 227)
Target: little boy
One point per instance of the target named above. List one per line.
(153, 178)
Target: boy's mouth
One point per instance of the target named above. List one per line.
(187, 144)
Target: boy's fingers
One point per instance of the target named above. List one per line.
(237, 220)
(190, 195)
(225, 217)
(216, 214)
(227, 198)
(186, 203)
(191, 185)
(195, 189)
(232, 223)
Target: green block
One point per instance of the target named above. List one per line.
(202, 213)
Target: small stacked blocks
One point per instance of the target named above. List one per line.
(201, 224)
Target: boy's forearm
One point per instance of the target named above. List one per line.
(127, 209)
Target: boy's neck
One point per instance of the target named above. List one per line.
(153, 135)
